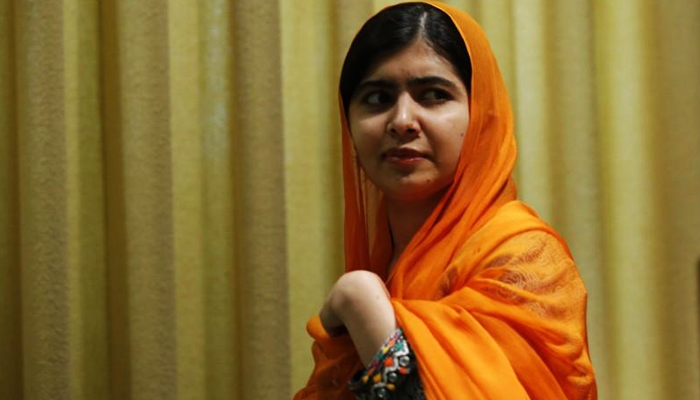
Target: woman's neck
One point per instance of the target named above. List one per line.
(405, 219)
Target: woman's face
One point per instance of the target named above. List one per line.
(408, 118)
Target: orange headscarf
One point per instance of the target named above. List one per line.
(486, 293)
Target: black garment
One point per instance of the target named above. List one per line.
(392, 374)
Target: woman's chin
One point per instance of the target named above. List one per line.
(411, 191)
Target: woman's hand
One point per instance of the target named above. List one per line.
(359, 302)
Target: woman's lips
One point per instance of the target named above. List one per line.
(404, 156)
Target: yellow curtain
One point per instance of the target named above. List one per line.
(170, 194)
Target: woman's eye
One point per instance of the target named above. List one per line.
(435, 95)
(377, 98)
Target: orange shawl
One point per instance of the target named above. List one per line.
(487, 294)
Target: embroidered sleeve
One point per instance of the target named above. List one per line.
(392, 374)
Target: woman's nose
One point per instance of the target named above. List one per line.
(403, 119)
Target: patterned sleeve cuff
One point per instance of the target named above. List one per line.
(388, 370)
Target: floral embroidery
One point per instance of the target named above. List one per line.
(388, 371)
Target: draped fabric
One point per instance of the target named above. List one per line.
(486, 293)
(171, 192)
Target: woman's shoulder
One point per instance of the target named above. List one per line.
(513, 226)
(514, 242)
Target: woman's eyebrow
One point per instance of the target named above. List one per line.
(377, 83)
(417, 81)
(431, 80)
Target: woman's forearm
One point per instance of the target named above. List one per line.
(361, 302)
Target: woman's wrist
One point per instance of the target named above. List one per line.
(330, 319)
(361, 301)
(359, 304)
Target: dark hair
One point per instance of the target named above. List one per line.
(393, 29)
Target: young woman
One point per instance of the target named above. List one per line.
(453, 289)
